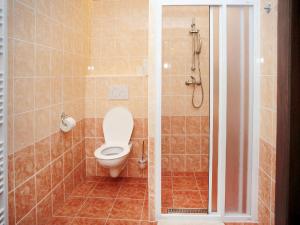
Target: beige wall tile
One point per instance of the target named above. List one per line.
(23, 22)
(28, 2)
(57, 36)
(267, 91)
(42, 92)
(55, 113)
(23, 130)
(43, 6)
(42, 124)
(42, 61)
(23, 95)
(56, 90)
(24, 59)
(43, 26)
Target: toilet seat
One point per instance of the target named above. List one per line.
(112, 151)
(117, 130)
(117, 126)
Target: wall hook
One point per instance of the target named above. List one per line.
(268, 8)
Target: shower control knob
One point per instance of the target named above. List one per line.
(192, 81)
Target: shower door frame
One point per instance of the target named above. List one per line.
(156, 27)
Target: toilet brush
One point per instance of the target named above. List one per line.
(142, 162)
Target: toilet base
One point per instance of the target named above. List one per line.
(115, 171)
(116, 165)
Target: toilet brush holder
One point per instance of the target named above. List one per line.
(142, 163)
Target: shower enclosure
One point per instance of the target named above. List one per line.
(205, 76)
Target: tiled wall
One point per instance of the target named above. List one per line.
(119, 43)
(123, 48)
(119, 48)
(268, 114)
(185, 143)
(48, 56)
(185, 130)
(119, 38)
(50, 80)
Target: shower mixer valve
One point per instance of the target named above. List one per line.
(192, 81)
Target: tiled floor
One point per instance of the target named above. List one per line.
(184, 190)
(105, 201)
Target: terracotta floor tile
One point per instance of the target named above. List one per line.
(122, 222)
(83, 189)
(184, 190)
(132, 191)
(167, 198)
(164, 209)
(166, 183)
(60, 221)
(105, 190)
(92, 178)
(202, 183)
(145, 213)
(135, 180)
(88, 221)
(96, 208)
(184, 183)
(110, 179)
(182, 174)
(187, 199)
(127, 209)
(204, 196)
(201, 174)
(163, 174)
(148, 223)
(70, 207)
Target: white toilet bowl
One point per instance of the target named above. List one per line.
(117, 129)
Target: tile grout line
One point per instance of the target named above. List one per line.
(172, 183)
(198, 186)
(144, 201)
(115, 199)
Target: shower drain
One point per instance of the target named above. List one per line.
(187, 210)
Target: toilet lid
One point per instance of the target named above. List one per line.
(117, 125)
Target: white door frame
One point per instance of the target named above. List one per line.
(156, 43)
(3, 112)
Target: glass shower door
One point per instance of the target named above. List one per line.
(185, 109)
(208, 153)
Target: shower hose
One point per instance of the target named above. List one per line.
(196, 48)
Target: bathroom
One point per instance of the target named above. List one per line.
(141, 111)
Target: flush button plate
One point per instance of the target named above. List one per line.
(118, 92)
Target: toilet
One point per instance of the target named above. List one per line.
(117, 129)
